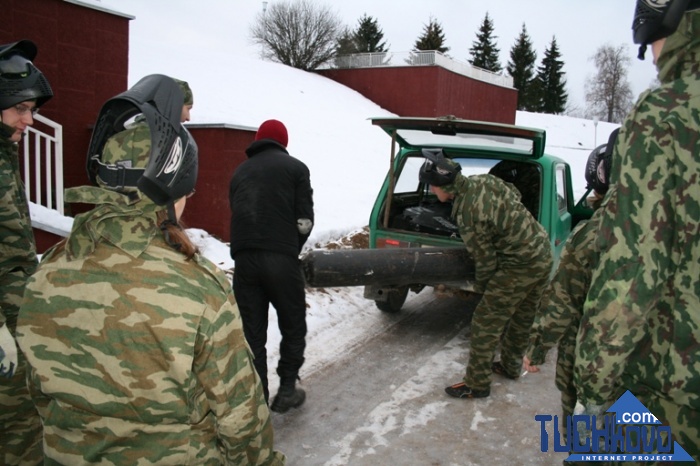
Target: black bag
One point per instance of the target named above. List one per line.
(433, 218)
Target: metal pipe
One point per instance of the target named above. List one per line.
(392, 266)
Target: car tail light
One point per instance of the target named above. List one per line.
(391, 243)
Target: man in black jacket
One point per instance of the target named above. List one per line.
(271, 218)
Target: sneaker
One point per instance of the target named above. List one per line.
(287, 399)
(497, 368)
(460, 390)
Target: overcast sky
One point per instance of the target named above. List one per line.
(579, 27)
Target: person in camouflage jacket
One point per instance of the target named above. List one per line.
(513, 260)
(560, 314)
(23, 89)
(640, 328)
(134, 340)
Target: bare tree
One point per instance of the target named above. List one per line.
(608, 93)
(300, 34)
(574, 110)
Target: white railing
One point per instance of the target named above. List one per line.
(419, 58)
(43, 164)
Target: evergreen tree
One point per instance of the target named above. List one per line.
(484, 51)
(432, 38)
(344, 46)
(550, 81)
(368, 36)
(345, 43)
(521, 68)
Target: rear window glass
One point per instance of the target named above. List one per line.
(418, 138)
(408, 179)
(525, 176)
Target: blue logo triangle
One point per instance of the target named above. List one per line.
(679, 454)
(629, 410)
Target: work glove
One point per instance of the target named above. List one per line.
(304, 226)
(8, 353)
(589, 410)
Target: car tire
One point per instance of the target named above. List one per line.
(394, 300)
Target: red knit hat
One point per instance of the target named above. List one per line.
(273, 129)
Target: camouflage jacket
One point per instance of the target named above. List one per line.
(641, 322)
(496, 228)
(137, 355)
(560, 313)
(17, 249)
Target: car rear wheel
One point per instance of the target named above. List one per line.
(394, 300)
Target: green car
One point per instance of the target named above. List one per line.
(407, 215)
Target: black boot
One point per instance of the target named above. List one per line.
(266, 392)
(288, 396)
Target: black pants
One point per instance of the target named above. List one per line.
(262, 278)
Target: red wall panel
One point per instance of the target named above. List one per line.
(44, 240)
(84, 53)
(221, 150)
(430, 91)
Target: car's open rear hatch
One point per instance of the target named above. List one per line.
(447, 132)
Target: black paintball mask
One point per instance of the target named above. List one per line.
(599, 165)
(656, 19)
(20, 80)
(437, 170)
(170, 171)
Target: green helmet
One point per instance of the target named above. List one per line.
(156, 154)
(186, 90)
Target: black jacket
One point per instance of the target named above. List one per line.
(267, 194)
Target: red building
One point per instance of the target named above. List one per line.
(221, 150)
(431, 86)
(84, 53)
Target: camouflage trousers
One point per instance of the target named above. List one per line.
(20, 426)
(510, 302)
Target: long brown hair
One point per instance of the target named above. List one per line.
(176, 236)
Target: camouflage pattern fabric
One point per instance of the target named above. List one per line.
(641, 323)
(129, 148)
(560, 314)
(137, 355)
(186, 90)
(20, 425)
(513, 260)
